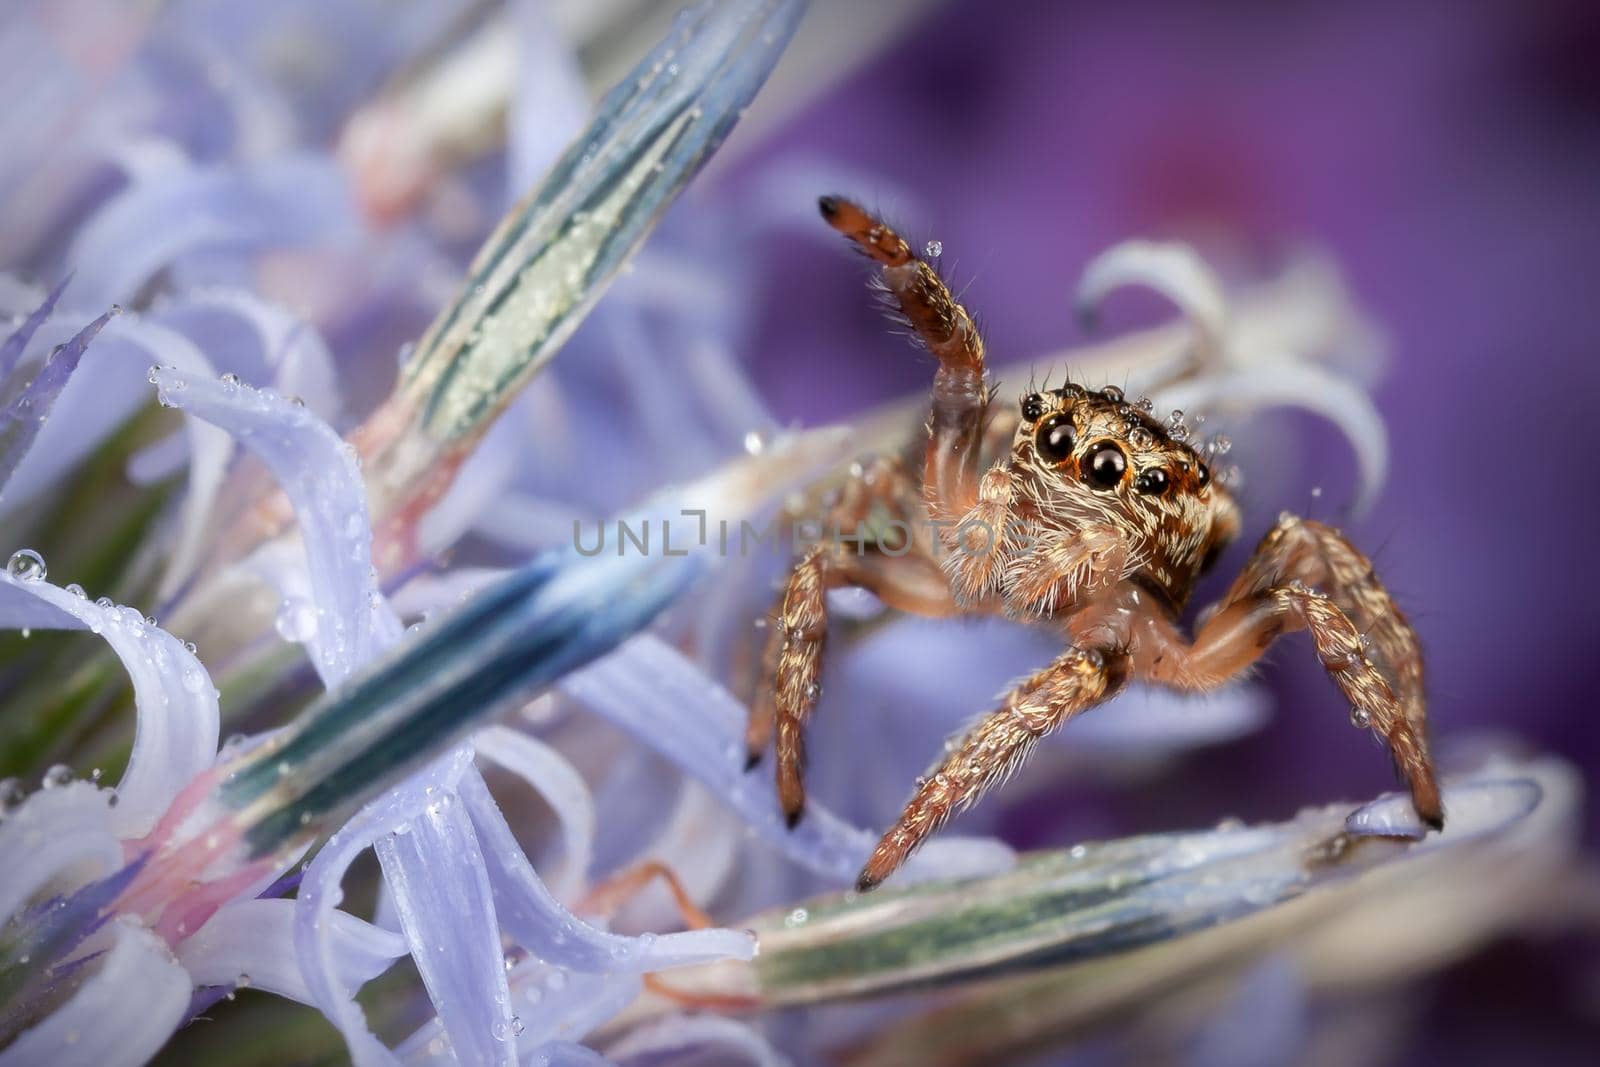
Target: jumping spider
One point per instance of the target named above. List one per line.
(1081, 512)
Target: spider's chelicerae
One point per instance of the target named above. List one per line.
(1080, 511)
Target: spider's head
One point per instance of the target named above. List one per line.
(1086, 456)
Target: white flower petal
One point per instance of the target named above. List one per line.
(1174, 270)
(64, 831)
(176, 724)
(251, 942)
(122, 1013)
(320, 894)
(350, 622)
(537, 921)
(561, 786)
(1302, 385)
(435, 870)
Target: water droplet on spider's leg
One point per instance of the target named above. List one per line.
(27, 565)
(1360, 718)
(933, 249)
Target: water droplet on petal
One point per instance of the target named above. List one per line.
(26, 565)
(230, 381)
(11, 795)
(58, 775)
(77, 590)
(296, 621)
(104, 602)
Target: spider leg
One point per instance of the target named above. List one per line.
(898, 569)
(960, 393)
(1379, 673)
(994, 747)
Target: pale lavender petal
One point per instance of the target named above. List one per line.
(436, 871)
(564, 1007)
(550, 100)
(17, 342)
(1263, 1022)
(101, 1024)
(251, 943)
(650, 690)
(210, 449)
(280, 202)
(350, 622)
(567, 1054)
(55, 832)
(290, 353)
(548, 1005)
(320, 894)
(175, 704)
(109, 387)
(702, 1033)
(537, 921)
(21, 420)
(561, 786)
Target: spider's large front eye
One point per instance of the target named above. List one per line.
(1055, 439)
(1106, 466)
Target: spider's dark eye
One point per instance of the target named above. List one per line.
(1032, 407)
(1152, 482)
(1055, 439)
(1106, 466)
(1205, 475)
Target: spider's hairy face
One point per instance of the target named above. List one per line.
(1081, 457)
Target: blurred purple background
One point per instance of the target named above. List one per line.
(1448, 156)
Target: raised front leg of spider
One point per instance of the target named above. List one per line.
(1081, 512)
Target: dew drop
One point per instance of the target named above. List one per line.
(26, 565)
(1078, 852)
(11, 795)
(1360, 719)
(755, 443)
(58, 775)
(1112, 393)
(296, 621)
(933, 249)
(230, 381)
(104, 602)
(77, 590)
(797, 917)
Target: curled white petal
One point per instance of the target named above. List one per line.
(350, 622)
(251, 942)
(1175, 271)
(122, 1013)
(176, 720)
(320, 894)
(55, 833)
(561, 786)
(435, 870)
(536, 920)
(1305, 386)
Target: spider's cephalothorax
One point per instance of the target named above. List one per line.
(1091, 517)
